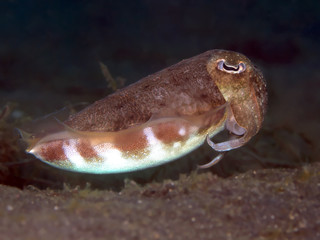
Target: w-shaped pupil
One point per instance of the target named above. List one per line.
(230, 68)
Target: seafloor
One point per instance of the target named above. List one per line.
(259, 204)
(269, 189)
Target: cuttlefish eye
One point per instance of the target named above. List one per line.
(235, 69)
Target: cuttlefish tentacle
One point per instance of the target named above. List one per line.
(227, 145)
(212, 162)
(234, 142)
(232, 125)
(223, 147)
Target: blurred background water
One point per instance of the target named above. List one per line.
(54, 45)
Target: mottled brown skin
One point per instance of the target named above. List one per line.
(190, 87)
(185, 88)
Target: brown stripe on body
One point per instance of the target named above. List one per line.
(168, 132)
(130, 141)
(85, 149)
(52, 151)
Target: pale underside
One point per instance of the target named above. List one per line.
(112, 160)
(153, 146)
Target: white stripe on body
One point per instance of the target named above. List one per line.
(70, 150)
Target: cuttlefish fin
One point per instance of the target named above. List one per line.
(68, 132)
(26, 137)
(163, 114)
(45, 132)
(211, 116)
(51, 123)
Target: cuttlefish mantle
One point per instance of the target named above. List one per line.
(162, 117)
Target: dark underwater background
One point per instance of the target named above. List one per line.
(49, 59)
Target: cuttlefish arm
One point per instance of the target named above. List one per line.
(238, 139)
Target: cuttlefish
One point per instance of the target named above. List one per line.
(162, 117)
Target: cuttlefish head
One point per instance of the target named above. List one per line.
(244, 89)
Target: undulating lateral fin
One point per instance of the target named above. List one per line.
(66, 132)
(196, 120)
(63, 135)
(47, 124)
(23, 134)
(26, 137)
